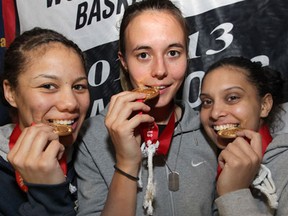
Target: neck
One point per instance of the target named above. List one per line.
(162, 114)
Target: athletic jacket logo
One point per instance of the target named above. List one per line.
(197, 164)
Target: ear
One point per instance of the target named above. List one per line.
(123, 61)
(266, 105)
(9, 93)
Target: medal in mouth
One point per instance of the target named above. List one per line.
(229, 133)
(151, 93)
(62, 127)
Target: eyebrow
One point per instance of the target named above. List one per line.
(176, 45)
(56, 78)
(148, 47)
(46, 76)
(141, 47)
(225, 90)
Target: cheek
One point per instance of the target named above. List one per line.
(247, 116)
(40, 103)
(139, 77)
(178, 70)
(84, 102)
(202, 117)
(205, 115)
(33, 112)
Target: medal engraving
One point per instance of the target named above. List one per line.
(173, 181)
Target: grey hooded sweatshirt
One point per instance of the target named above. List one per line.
(250, 203)
(197, 164)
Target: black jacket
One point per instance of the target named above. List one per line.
(40, 200)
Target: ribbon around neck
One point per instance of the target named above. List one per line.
(150, 132)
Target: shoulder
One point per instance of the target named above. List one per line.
(5, 132)
(94, 123)
(190, 120)
(278, 148)
(279, 142)
(94, 131)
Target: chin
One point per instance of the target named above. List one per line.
(67, 140)
(222, 143)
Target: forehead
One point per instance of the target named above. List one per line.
(52, 57)
(225, 77)
(154, 23)
(228, 72)
(40, 50)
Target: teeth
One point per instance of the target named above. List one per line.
(222, 127)
(63, 122)
(159, 87)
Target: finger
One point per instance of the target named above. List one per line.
(123, 111)
(236, 159)
(17, 145)
(33, 141)
(113, 101)
(255, 141)
(123, 97)
(24, 142)
(41, 141)
(54, 150)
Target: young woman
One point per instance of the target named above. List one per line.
(45, 83)
(177, 179)
(247, 97)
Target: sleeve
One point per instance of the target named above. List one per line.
(47, 200)
(92, 188)
(282, 203)
(240, 202)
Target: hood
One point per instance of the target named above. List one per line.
(5, 132)
(278, 146)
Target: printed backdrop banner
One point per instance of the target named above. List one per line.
(255, 29)
(7, 34)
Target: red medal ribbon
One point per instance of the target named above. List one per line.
(150, 132)
(13, 138)
(266, 139)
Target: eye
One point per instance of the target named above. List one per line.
(48, 86)
(143, 55)
(80, 87)
(174, 53)
(206, 102)
(233, 98)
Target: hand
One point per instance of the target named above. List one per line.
(240, 162)
(122, 121)
(35, 155)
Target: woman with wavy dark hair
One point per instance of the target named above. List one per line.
(45, 83)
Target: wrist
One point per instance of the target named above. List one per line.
(130, 175)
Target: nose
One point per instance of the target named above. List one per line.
(67, 101)
(159, 69)
(218, 110)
